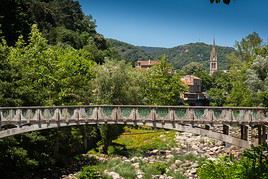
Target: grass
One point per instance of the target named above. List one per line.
(159, 168)
(176, 175)
(150, 169)
(144, 139)
(124, 169)
(190, 157)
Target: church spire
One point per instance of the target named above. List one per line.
(213, 59)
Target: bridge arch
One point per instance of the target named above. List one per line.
(179, 118)
(168, 126)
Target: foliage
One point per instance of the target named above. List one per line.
(89, 172)
(36, 73)
(193, 68)
(252, 164)
(128, 51)
(159, 168)
(49, 15)
(45, 75)
(6, 87)
(245, 82)
(117, 82)
(257, 79)
(164, 86)
(248, 46)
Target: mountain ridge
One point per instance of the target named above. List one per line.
(179, 56)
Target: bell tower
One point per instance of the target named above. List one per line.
(213, 59)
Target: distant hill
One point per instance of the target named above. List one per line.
(128, 51)
(178, 56)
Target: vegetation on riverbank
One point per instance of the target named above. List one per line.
(252, 164)
(132, 143)
(61, 60)
(140, 140)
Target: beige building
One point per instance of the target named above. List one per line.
(145, 64)
(194, 95)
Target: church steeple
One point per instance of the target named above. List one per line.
(213, 59)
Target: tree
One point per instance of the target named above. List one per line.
(193, 68)
(115, 83)
(7, 88)
(164, 86)
(221, 87)
(257, 79)
(59, 21)
(248, 46)
(50, 75)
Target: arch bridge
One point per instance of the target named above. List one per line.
(213, 122)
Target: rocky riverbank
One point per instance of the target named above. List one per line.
(184, 158)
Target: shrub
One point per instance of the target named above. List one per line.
(252, 164)
(89, 172)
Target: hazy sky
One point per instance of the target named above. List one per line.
(167, 23)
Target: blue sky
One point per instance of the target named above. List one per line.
(168, 23)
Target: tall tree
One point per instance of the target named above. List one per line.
(115, 83)
(164, 86)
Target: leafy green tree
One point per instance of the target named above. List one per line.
(221, 88)
(116, 82)
(60, 21)
(248, 46)
(46, 75)
(257, 79)
(7, 88)
(193, 68)
(164, 86)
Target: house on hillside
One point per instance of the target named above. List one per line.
(194, 96)
(145, 64)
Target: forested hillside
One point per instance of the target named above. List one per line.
(61, 23)
(179, 56)
(128, 51)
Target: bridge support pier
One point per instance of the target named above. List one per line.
(226, 131)
(246, 133)
(262, 134)
(208, 126)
